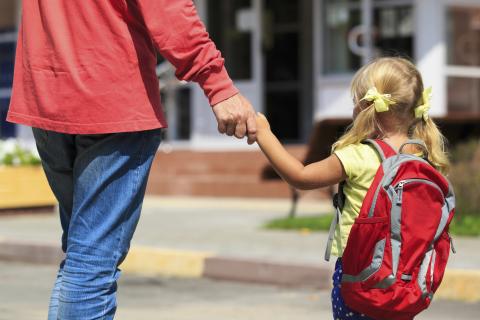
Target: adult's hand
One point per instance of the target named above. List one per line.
(236, 116)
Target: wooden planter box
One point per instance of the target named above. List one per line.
(24, 187)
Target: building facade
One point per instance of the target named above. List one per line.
(294, 59)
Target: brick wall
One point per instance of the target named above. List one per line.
(218, 174)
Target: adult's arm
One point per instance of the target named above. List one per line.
(182, 39)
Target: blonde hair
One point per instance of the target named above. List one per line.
(401, 79)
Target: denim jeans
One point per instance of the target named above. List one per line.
(99, 182)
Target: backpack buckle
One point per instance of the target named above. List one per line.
(339, 200)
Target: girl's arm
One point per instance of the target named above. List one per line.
(319, 174)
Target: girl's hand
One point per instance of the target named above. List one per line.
(262, 123)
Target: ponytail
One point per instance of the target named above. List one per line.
(363, 127)
(428, 131)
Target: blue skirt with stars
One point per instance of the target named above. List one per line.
(340, 310)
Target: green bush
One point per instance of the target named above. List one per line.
(13, 154)
(465, 177)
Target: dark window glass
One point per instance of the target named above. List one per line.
(282, 112)
(284, 12)
(463, 95)
(463, 36)
(7, 57)
(282, 58)
(393, 32)
(234, 44)
(183, 121)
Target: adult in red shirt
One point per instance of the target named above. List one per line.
(85, 81)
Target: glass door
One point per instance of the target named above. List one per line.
(287, 53)
(235, 27)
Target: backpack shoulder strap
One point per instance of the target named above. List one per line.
(383, 149)
(338, 203)
(420, 143)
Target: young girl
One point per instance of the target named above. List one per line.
(390, 103)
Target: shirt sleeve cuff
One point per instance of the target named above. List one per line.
(217, 86)
(342, 156)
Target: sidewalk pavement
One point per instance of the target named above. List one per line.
(223, 239)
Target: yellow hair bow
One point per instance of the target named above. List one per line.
(381, 101)
(422, 110)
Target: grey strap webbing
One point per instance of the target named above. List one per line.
(338, 202)
(377, 147)
(417, 142)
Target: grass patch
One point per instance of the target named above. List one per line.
(313, 223)
(468, 225)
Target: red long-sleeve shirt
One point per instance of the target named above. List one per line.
(88, 67)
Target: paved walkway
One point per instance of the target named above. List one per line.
(25, 289)
(225, 227)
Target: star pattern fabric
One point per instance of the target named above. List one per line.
(340, 310)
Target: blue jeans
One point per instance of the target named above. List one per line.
(99, 182)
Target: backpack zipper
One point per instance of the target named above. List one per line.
(399, 187)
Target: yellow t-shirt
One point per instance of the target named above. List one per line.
(361, 162)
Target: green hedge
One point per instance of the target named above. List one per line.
(12, 153)
(465, 177)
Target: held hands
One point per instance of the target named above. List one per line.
(236, 116)
(262, 124)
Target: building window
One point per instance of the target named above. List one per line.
(7, 56)
(392, 30)
(463, 58)
(339, 18)
(235, 44)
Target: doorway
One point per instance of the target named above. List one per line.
(268, 50)
(288, 67)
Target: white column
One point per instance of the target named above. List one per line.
(367, 23)
(204, 132)
(430, 50)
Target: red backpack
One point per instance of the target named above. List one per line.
(398, 247)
